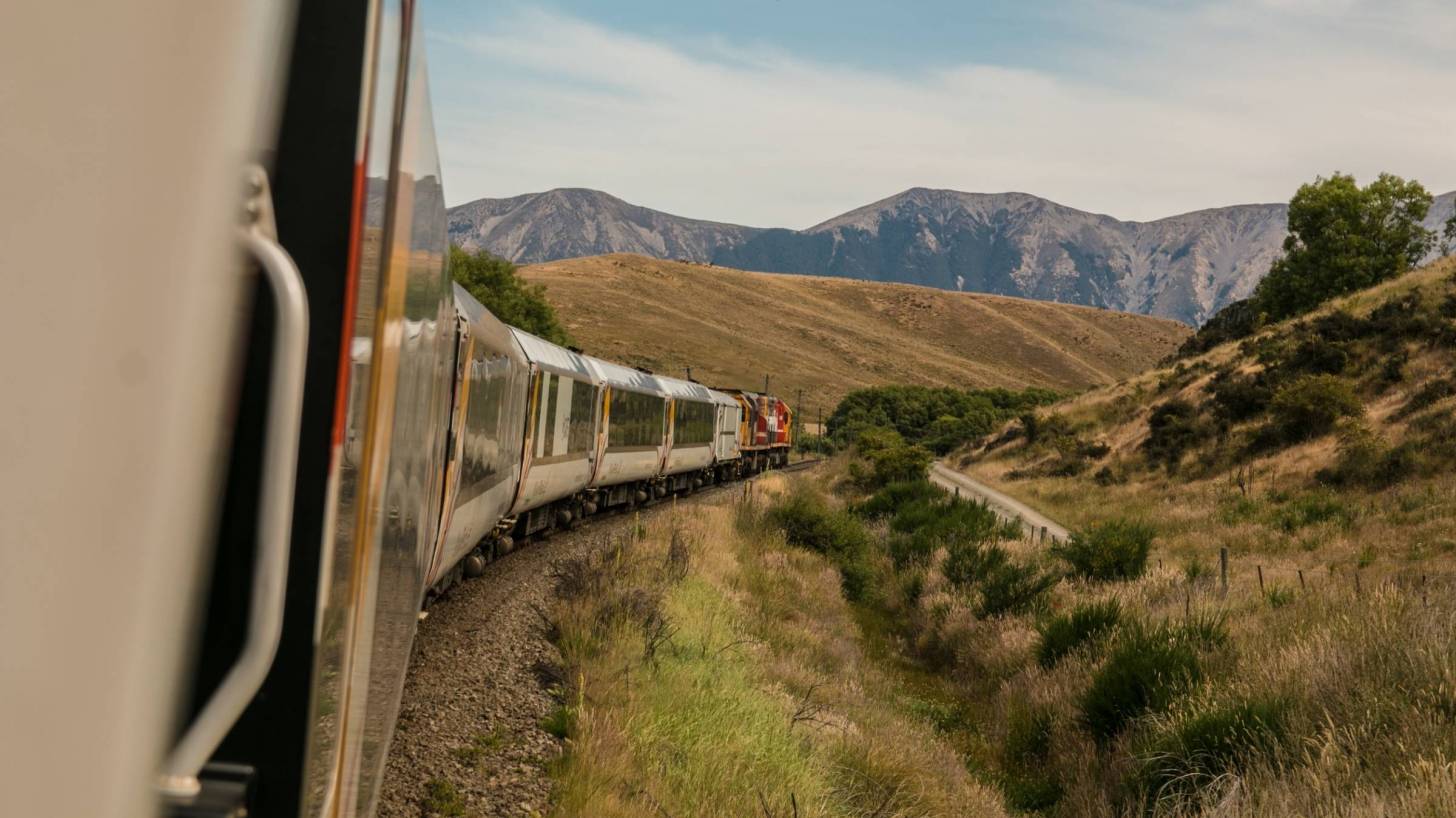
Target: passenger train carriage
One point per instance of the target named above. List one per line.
(274, 427)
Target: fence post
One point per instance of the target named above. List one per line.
(1261, 579)
(1223, 570)
(1043, 535)
(1301, 579)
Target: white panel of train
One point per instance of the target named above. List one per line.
(561, 434)
(728, 414)
(635, 417)
(487, 425)
(693, 421)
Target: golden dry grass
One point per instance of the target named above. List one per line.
(764, 701)
(1352, 627)
(828, 336)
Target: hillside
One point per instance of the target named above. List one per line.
(1184, 267)
(828, 336)
(1319, 459)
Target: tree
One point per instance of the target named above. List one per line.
(1448, 238)
(494, 283)
(1343, 238)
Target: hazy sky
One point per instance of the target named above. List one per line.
(787, 112)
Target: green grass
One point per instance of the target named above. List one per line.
(443, 799)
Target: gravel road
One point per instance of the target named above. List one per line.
(1007, 507)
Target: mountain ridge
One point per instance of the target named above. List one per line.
(1186, 266)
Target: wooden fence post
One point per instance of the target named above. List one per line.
(1223, 570)
(1261, 579)
(1301, 579)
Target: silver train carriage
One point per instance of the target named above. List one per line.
(297, 426)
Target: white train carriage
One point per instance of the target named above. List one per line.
(693, 434)
(487, 424)
(561, 436)
(633, 440)
(727, 418)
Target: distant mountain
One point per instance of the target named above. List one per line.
(1183, 267)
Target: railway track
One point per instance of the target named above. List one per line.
(475, 694)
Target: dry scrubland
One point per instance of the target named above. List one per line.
(1322, 455)
(712, 670)
(828, 336)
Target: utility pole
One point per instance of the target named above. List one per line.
(765, 383)
(690, 372)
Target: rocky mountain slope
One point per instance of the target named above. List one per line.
(1184, 267)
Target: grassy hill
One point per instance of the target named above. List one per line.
(1320, 456)
(828, 336)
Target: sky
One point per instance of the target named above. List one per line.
(785, 113)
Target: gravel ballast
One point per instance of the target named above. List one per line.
(478, 688)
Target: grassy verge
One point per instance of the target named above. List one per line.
(714, 670)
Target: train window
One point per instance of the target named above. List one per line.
(546, 429)
(579, 429)
(480, 466)
(635, 420)
(692, 423)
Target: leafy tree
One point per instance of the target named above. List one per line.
(1448, 238)
(1343, 238)
(939, 418)
(494, 283)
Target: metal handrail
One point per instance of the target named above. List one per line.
(275, 520)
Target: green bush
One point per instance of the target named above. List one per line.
(808, 522)
(894, 496)
(1363, 460)
(1012, 588)
(1149, 668)
(1311, 406)
(1173, 429)
(1047, 428)
(939, 418)
(890, 460)
(1062, 634)
(1239, 397)
(1197, 750)
(967, 563)
(1110, 550)
(1237, 320)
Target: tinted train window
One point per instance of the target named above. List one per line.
(480, 459)
(692, 423)
(579, 427)
(635, 419)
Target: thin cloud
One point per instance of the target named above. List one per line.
(1210, 108)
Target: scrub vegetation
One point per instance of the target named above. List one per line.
(1318, 457)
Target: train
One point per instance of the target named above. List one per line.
(250, 426)
(541, 436)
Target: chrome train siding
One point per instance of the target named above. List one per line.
(385, 488)
(488, 421)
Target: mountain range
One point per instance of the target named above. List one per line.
(1184, 267)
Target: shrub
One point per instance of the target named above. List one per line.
(895, 496)
(1239, 397)
(1110, 550)
(1310, 407)
(1062, 634)
(1428, 395)
(1044, 428)
(1173, 429)
(967, 563)
(1200, 748)
(1237, 320)
(1011, 588)
(808, 522)
(1149, 667)
(897, 464)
